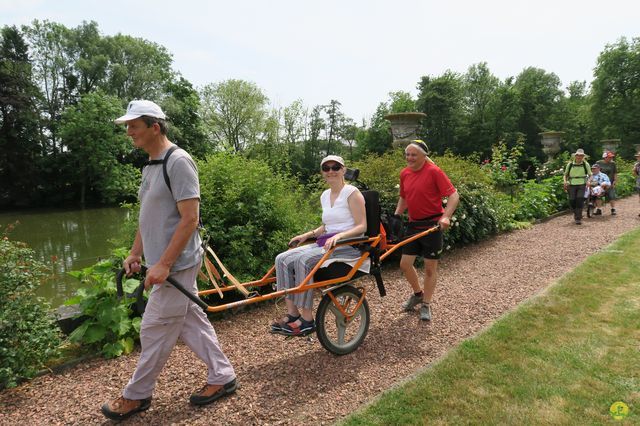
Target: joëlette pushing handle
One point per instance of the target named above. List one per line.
(139, 291)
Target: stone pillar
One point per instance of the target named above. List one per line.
(610, 145)
(551, 143)
(404, 126)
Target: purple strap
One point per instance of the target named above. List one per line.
(322, 239)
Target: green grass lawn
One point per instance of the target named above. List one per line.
(564, 357)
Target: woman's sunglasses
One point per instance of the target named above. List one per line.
(335, 167)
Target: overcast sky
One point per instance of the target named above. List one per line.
(354, 51)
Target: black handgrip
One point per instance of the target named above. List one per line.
(139, 291)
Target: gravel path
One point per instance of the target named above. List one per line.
(295, 381)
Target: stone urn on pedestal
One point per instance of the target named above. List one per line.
(404, 127)
(551, 143)
(610, 145)
(637, 147)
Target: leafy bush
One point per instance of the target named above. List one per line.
(250, 212)
(475, 218)
(554, 168)
(504, 169)
(381, 173)
(626, 184)
(537, 200)
(29, 335)
(110, 328)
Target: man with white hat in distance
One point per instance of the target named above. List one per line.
(168, 237)
(576, 174)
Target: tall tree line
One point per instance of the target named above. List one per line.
(60, 89)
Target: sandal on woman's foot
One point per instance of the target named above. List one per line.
(277, 325)
(305, 327)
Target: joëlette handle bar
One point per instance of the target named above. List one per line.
(139, 291)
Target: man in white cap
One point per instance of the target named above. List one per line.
(423, 185)
(168, 238)
(576, 175)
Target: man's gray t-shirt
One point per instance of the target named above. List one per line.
(159, 215)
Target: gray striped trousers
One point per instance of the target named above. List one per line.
(294, 265)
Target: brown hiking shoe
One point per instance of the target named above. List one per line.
(122, 408)
(210, 393)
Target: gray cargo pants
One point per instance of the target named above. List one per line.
(169, 315)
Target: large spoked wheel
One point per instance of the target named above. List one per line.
(338, 333)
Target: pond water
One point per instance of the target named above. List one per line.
(67, 240)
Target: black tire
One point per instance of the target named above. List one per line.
(589, 208)
(336, 334)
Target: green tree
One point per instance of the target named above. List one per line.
(312, 155)
(441, 98)
(401, 102)
(573, 115)
(186, 129)
(92, 57)
(539, 95)
(94, 147)
(137, 68)
(53, 54)
(20, 149)
(616, 92)
(504, 111)
(234, 113)
(479, 89)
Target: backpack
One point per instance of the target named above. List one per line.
(584, 165)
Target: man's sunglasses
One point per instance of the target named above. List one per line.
(335, 167)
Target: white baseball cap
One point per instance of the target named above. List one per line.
(137, 109)
(335, 158)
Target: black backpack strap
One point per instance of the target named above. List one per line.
(164, 166)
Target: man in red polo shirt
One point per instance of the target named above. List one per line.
(423, 185)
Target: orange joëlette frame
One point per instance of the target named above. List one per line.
(305, 285)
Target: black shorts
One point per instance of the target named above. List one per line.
(429, 246)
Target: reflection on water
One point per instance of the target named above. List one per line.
(67, 240)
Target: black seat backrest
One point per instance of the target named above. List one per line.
(372, 206)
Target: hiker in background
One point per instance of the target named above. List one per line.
(423, 185)
(168, 238)
(636, 173)
(608, 167)
(576, 175)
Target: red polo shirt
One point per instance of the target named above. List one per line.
(424, 189)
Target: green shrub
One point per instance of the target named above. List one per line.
(110, 328)
(537, 200)
(251, 213)
(29, 336)
(504, 167)
(382, 173)
(475, 218)
(626, 184)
